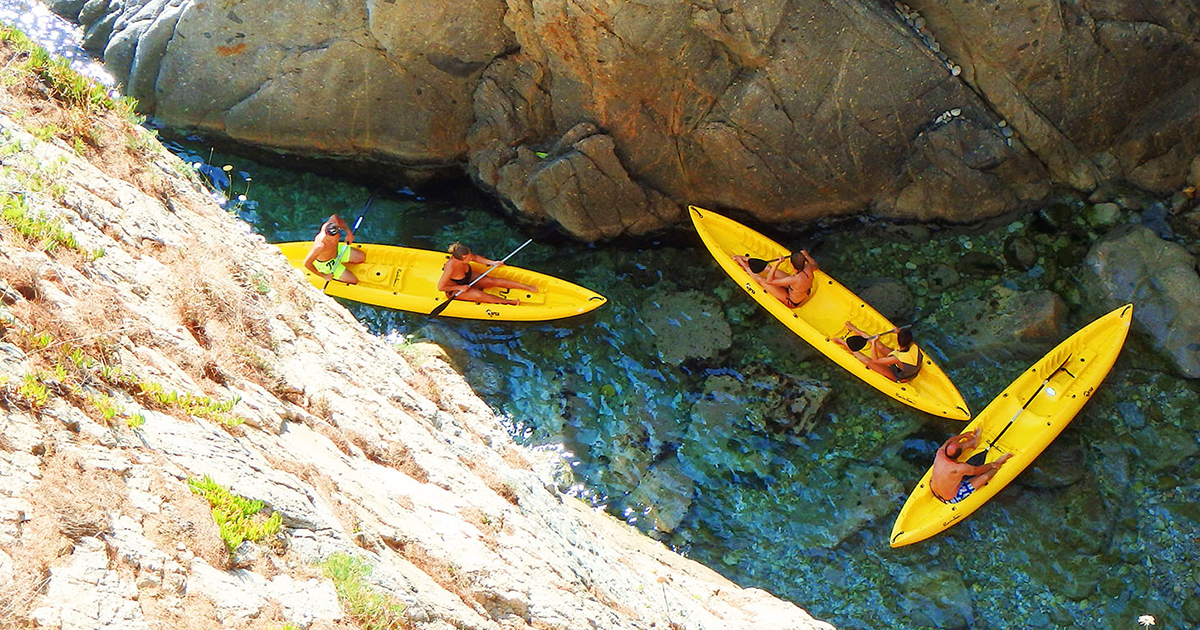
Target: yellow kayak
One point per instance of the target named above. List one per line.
(1023, 420)
(404, 278)
(823, 317)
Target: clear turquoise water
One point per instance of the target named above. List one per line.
(1102, 529)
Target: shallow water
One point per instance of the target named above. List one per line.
(701, 452)
(699, 434)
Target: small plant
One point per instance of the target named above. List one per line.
(80, 359)
(262, 283)
(41, 340)
(33, 390)
(46, 132)
(238, 518)
(108, 407)
(364, 603)
(48, 234)
(136, 420)
(199, 406)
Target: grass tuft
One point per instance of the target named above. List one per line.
(48, 234)
(364, 603)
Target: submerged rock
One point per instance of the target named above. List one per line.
(940, 598)
(891, 297)
(1007, 324)
(667, 490)
(686, 325)
(1159, 277)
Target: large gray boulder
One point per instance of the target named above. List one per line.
(607, 116)
(1159, 277)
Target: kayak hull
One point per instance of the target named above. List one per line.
(405, 278)
(823, 317)
(1052, 392)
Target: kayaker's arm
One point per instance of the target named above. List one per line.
(484, 261)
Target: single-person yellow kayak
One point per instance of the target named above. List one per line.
(823, 317)
(405, 278)
(1022, 420)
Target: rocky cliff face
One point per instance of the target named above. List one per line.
(159, 365)
(606, 115)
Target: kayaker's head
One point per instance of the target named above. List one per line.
(953, 450)
(331, 228)
(904, 338)
(459, 251)
(855, 342)
(798, 261)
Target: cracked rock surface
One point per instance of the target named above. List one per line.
(788, 111)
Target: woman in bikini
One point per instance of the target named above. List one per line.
(457, 276)
(791, 289)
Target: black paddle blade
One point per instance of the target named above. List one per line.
(757, 264)
(978, 459)
(437, 310)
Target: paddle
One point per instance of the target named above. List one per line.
(437, 310)
(338, 260)
(866, 340)
(978, 459)
(757, 264)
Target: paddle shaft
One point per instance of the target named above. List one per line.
(1046, 380)
(441, 307)
(354, 229)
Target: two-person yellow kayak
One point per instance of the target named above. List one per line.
(405, 279)
(823, 317)
(1022, 420)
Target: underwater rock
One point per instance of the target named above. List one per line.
(668, 491)
(1020, 252)
(841, 498)
(1083, 524)
(1060, 466)
(979, 264)
(687, 325)
(890, 297)
(781, 404)
(1007, 324)
(734, 421)
(1053, 219)
(1163, 447)
(1103, 215)
(1154, 216)
(938, 599)
(941, 277)
(1132, 264)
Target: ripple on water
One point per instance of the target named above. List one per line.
(57, 35)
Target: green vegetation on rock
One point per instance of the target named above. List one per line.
(372, 609)
(238, 518)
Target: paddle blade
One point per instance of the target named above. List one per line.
(437, 310)
(978, 459)
(757, 264)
